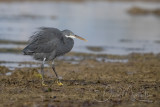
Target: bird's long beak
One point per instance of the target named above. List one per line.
(81, 38)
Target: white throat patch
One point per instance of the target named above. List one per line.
(70, 36)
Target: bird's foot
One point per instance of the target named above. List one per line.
(43, 84)
(38, 75)
(59, 83)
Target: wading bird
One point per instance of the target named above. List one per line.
(49, 43)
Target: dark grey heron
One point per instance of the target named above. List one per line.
(49, 43)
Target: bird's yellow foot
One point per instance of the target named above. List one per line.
(38, 75)
(43, 84)
(59, 83)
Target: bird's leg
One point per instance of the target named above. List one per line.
(58, 80)
(42, 72)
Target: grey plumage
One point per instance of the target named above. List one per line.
(48, 43)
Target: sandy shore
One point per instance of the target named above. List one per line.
(88, 83)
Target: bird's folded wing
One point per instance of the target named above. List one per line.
(46, 47)
(45, 34)
(45, 41)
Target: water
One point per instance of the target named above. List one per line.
(103, 24)
(13, 61)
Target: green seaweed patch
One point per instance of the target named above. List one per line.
(143, 11)
(95, 48)
(157, 41)
(93, 55)
(10, 50)
(12, 42)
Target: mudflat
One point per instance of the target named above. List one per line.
(90, 82)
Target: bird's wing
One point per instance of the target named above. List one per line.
(45, 40)
(45, 33)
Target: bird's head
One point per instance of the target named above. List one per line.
(70, 34)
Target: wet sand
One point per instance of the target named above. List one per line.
(88, 83)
